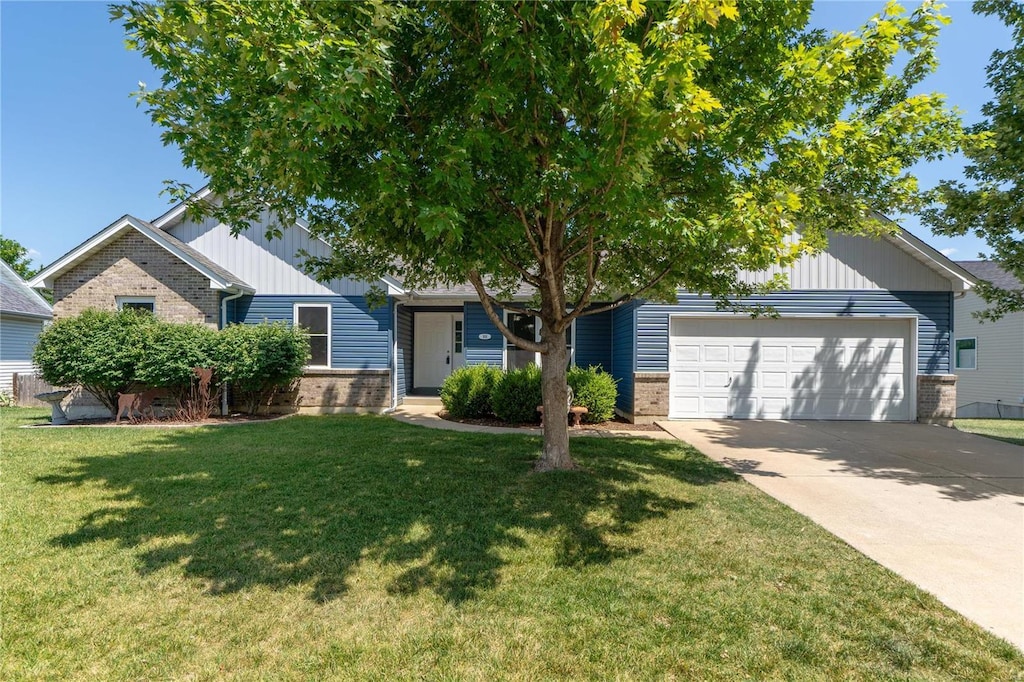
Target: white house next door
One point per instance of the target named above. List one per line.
(438, 348)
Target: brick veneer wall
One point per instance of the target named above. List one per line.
(936, 398)
(133, 265)
(650, 397)
(324, 391)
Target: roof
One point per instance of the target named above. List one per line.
(219, 277)
(992, 272)
(16, 298)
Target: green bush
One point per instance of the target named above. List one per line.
(172, 350)
(517, 394)
(259, 359)
(96, 350)
(594, 390)
(467, 391)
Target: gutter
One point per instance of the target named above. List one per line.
(223, 324)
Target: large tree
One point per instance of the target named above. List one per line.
(991, 205)
(596, 152)
(16, 255)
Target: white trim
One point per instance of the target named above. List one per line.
(122, 300)
(394, 356)
(913, 350)
(44, 279)
(176, 211)
(330, 330)
(956, 356)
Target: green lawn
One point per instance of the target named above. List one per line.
(1009, 430)
(361, 548)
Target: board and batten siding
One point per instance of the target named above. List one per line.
(271, 266)
(17, 341)
(360, 337)
(853, 262)
(403, 348)
(481, 351)
(1000, 351)
(932, 309)
(623, 354)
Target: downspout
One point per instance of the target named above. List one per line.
(224, 324)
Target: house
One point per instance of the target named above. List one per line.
(863, 334)
(23, 312)
(988, 357)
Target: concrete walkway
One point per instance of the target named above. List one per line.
(942, 508)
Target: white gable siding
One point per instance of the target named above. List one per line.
(271, 266)
(1000, 372)
(857, 263)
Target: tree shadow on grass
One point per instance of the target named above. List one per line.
(307, 499)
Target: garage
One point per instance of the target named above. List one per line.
(791, 368)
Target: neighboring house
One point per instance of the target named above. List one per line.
(863, 334)
(23, 312)
(988, 357)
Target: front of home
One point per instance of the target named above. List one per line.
(864, 333)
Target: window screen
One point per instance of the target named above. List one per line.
(315, 320)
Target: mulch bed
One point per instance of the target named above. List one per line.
(615, 424)
(106, 422)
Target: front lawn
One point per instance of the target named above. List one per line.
(1009, 430)
(361, 548)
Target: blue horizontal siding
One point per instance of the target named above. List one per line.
(593, 342)
(360, 337)
(933, 310)
(403, 362)
(623, 354)
(480, 351)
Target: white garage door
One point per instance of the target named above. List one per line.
(843, 368)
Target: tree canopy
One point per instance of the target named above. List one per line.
(991, 204)
(596, 152)
(16, 255)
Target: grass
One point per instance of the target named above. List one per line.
(1008, 430)
(361, 548)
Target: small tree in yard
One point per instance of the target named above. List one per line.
(597, 152)
(97, 350)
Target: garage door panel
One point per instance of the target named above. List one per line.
(845, 368)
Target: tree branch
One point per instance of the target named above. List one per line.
(489, 302)
(580, 312)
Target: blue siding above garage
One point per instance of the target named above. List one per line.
(933, 310)
(360, 337)
(482, 351)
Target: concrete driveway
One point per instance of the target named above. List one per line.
(942, 508)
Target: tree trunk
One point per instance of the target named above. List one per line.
(555, 392)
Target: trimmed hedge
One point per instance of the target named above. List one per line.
(594, 390)
(516, 396)
(466, 393)
(259, 359)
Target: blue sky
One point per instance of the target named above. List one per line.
(76, 153)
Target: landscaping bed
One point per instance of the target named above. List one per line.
(357, 547)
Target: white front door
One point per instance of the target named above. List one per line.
(832, 368)
(438, 340)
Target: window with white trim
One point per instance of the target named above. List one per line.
(965, 353)
(315, 320)
(528, 327)
(136, 303)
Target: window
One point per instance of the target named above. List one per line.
(315, 320)
(966, 354)
(528, 327)
(458, 336)
(137, 303)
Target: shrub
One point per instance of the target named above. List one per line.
(259, 359)
(96, 350)
(467, 391)
(594, 390)
(517, 394)
(171, 352)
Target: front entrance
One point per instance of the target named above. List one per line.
(438, 349)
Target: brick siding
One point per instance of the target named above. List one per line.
(936, 398)
(133, 265)
(337, 390)
(650, 397)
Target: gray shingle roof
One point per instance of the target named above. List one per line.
(991, 271)
(17, 299)
(184, 248)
